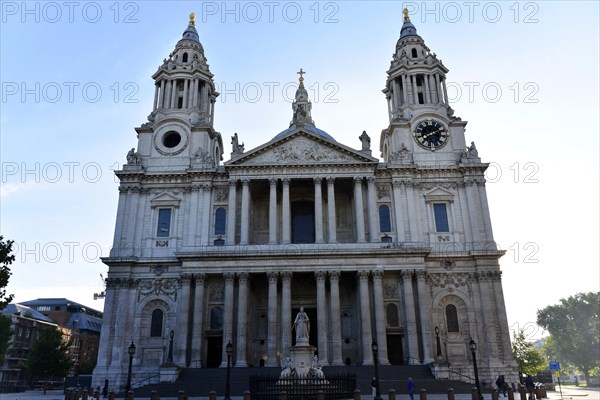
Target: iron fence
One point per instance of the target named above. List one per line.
(334, 387)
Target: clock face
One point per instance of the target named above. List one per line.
(431, 134)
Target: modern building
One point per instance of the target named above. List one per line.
(398, 251)
(80, 325)
(26, 326)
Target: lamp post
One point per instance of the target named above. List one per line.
(131, 352)
(473, 347)
(375, 348)
(229, 351)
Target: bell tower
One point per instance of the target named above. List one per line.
(423, 128)
(180, 126)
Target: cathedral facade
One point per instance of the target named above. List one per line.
(397, 251)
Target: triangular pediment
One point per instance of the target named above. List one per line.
(439, 194)
(165, 199)
(301, 148)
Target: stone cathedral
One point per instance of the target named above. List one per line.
(397, 251)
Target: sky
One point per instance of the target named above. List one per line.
(76, 80)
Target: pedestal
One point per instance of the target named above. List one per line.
(302, 358)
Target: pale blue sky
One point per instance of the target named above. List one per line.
(536, 120)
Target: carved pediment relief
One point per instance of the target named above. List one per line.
(439, 194)
(301, 149)
(165, 199)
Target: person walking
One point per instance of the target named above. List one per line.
(374, 387)
(529, 385)
(411, 388)
(501, 383)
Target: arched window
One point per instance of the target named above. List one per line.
(391, 311)
(156, 323)
(384, 219)
(216, 318)
(452, 318)
(414, 53)
(185, 57)
(220, 218)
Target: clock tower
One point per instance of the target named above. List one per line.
(423, 128)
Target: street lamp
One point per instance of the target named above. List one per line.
(229, 351)
(375, 348)
(131, 352)
(473, 347)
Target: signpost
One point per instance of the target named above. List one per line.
(555, 366)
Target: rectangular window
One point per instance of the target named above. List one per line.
(164, 222)
(441, 217)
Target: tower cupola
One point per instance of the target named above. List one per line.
(184, 83)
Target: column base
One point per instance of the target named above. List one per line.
(368, 362)
(241, 364)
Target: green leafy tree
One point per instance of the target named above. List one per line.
(48, 357)
(6, 258)
(530, 360)
(5, 333)
(574, 326)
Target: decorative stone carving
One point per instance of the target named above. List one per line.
(389, 290)
(216, 292)
(448, 280)
(221, 196)
(303, 149)
(157, 287)
(383, 192)
(133, 157)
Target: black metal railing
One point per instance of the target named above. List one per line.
(339, 386)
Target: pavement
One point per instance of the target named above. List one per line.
(568, 393)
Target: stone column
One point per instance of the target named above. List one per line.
(322, 317)
(398, 210)
(286, 313)
(212, 110)
(487, 222)
(437, 89)
(285, 213)
(182, 321)
(405, 89)
(206, 214)
(227, 316)
(434, 94)
(425, 312)
(380, 324)
(107, 331)
(445, 91)
(167, 95)
(372, 198)
(192, 227)
(245, 217)
(231, 213)
(427, 92)
(336, 324)
(413, 214)
(476, 228)
(174, 94)
(318, 211)
(242, 327)
(415, 89)
(411, 319)
(155, 102)
(272, 321)
(273, 211)
(502, 318)
(195, 94)
(118, 343)
(397, 95)
(197, 331)
(331, 221)
(359, 211)
(161, 97)
(186, 88)
(365, 317)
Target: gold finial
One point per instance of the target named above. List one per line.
(301, 77)
(193, 19)
(406, 17)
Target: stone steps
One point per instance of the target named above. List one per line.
(198, 382)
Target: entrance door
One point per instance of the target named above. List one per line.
(394, 345)
(312, 318)
(303, 222)
(214, 351)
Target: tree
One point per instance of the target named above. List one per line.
(6, 258)
(48, 356)
(574, 325)
(5, 334)
(529, 359)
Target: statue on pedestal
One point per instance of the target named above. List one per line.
(302, 326)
